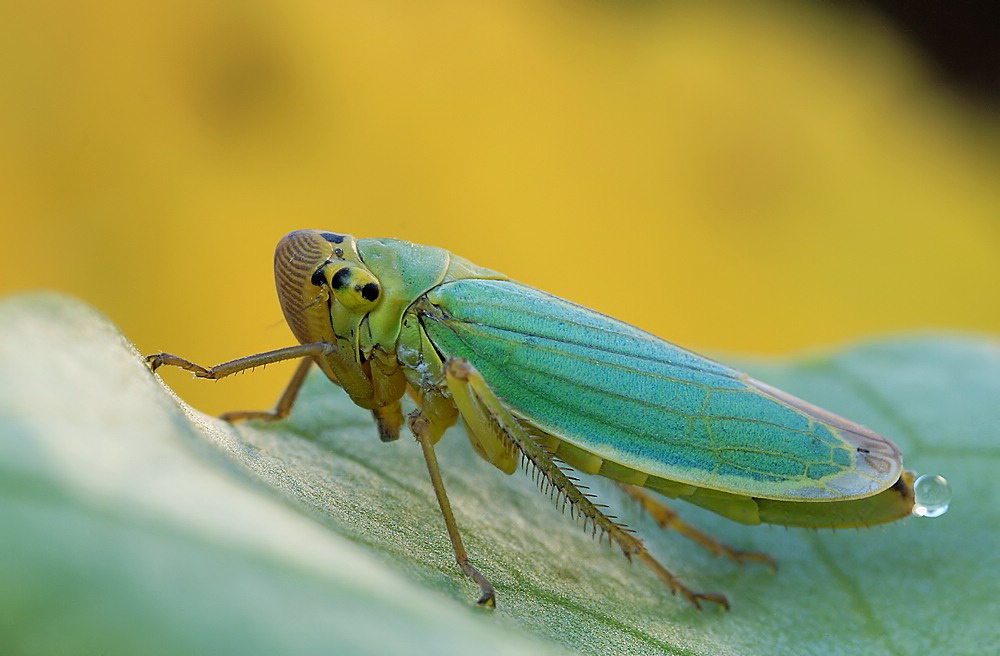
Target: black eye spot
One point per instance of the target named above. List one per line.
(341, 278)
(339, 252)
(370, 292)
(332, 237)
(318, 278)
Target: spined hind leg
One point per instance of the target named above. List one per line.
(484, 413)
(667, 518)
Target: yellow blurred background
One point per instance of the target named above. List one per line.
(767, 176)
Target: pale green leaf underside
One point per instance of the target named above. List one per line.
(130, 523)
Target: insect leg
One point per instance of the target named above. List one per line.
(388, 419)
(483, 411)
(389, 385)
(421, 427)
(315, 349)
(284, 405)
(667, 517)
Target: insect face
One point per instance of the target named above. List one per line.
(319, 275)
(355, 288)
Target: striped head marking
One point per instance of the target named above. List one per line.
(318, 274)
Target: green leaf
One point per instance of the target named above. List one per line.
(132, 524)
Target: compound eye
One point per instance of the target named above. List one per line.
(318, 278)
(355, 288)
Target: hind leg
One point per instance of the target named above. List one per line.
(667, 517)
(484, 413)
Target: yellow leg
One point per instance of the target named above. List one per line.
(421, 428)
(483, 411)
(667, 517)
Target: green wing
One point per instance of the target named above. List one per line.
(637, 400)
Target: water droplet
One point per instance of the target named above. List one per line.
(931, 496)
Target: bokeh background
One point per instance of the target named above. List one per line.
(747, 177)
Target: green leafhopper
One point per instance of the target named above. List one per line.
(543, 382)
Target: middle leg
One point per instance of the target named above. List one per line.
(285, 403)
(422, 429)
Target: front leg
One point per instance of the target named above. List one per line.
(288, 397)
(316, 349)
(285, 403)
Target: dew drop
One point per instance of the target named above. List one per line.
(931, 496)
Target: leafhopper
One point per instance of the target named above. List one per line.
(543, 382)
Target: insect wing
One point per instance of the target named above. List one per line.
(632, 398)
